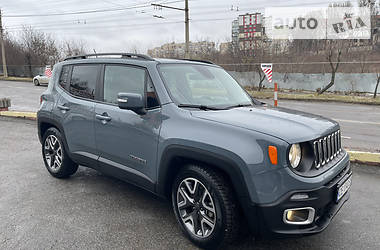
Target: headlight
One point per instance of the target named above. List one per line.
(295, 155)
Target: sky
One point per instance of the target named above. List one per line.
(130, 25)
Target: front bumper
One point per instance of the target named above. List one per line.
(271, 216)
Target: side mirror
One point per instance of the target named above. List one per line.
(131, 101)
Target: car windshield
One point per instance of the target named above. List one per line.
(195, 85)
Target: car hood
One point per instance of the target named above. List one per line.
(289, 125)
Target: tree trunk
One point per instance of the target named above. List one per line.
(261, 82)
(29, 62)
(334, 69)
(377, 85)
(328, 85)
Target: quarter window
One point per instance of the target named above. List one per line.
(64, 78)
(151, 97)
(83, 81)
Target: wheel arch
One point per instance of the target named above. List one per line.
(44, 123)
(176, 156)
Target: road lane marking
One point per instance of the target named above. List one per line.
(346, 137)
(360, 122)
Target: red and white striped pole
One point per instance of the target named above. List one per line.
(275, 94)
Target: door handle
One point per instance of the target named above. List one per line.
(63, 108)
(103, 117)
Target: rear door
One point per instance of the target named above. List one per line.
(127, 142)
(77, 110)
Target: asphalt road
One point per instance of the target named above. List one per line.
(93, 211)
(24, 95)
(360, 123)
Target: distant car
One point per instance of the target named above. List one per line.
(41, 79)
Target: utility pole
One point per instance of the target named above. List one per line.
(187, 38)
(5, 72)
(187, 32)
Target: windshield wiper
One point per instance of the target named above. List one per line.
(239, 106)
(197, 106)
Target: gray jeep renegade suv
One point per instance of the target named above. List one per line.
(187, 131)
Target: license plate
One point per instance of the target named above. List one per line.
(343, 188)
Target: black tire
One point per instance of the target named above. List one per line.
(67, 166)
(36, 82)
(228, 214)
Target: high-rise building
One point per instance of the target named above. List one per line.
(251, 31)
(235, 33)
(248, 32)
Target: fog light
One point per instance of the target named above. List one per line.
(299, 216)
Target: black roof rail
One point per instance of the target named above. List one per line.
(122, 55)
(202, 61)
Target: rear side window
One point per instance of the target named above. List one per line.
(64, 78)
(83, 81)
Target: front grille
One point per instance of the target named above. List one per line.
(327, 148)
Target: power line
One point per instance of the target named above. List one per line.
(107, 27)
(224, 10)
(69, 25)
(147, 4)
(126, 25)
(75, 21)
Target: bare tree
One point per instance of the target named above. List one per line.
(14, 49)
(377, 85)
(334, 59)
(261, 77)
(73, 48)
(39, 48)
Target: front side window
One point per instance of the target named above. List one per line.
(83, 81)
(126, 79)
(192, 84)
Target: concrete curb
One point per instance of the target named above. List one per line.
(18, 114)
(17, 79)
(367, 158)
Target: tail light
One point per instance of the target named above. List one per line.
(42, 98)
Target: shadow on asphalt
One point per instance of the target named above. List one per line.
(141, 197)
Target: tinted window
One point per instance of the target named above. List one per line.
(122, 79)
(64, 78)
(83, 81)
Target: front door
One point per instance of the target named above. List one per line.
(127, 142)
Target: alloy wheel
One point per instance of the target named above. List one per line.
(53, 153)
(196, 207)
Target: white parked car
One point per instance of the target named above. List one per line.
(41, 79)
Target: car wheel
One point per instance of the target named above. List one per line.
(36, 82)
(56, 159)
(205, 207)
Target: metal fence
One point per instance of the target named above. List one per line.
(23, 70)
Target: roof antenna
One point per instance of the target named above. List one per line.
(95, 53)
